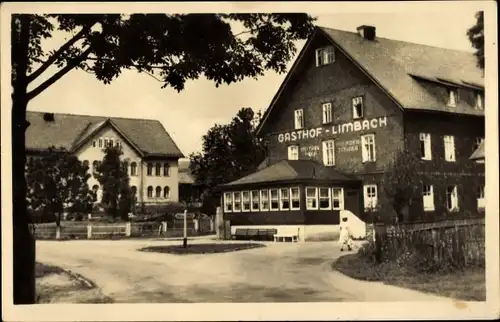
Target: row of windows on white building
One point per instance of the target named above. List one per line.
(160, 169)
(105, 142)
(368, 150)
(323, 198)
(326, 56)
(159, 192)
(283, 199)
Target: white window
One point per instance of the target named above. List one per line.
(284, 199)
(337, 198)
(255, 200)
(357, 107)
(245, 203)
(228, 202)
(311, 198)
(295, 199)
(452, 97)
(479, 101)
(299, 119)
(368, 147)
(275, 204)
(480, 197)
(449, 148)
(237, 201)
(425, 146)
(329, 152)
(370, 196)
(325, 199)
(105, 143)
(451, 198)
(327, 113)
(264, 200)
(428, 197)
(325, 56)
(477, 143)
(100, 143)
(110, 143)
(293, 152)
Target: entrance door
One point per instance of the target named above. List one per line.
(352, 202)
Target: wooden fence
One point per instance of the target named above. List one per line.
(104, 230)
(457, 243)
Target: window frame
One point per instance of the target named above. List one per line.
(340, 198)
(252, 200)
(480, 198)
(236, 201)
(150, 189)
(290, 148)
(149, 171)
(292, 199)
(449, 103)
(277, 199)
(364, 155)
(264, 192)
(157, 169)
(325, 152)
(166, 195)
(228, 201)
(281, 199)
(243, 201)
(325, 55)
(133, 169)
(449, 144)
(315, 198)
(353, 107)
(453, 193)
(327, 112)
(430, 194)
(328, 197)
(425, 138)
(296, 113)
(367, 198)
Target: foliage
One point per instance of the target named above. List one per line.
(113, 177)
(476, 37)
(57, 181)
(229, 151)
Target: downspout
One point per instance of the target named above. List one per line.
(141, 184)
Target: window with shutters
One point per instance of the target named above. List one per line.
(299, 119)
(327, 113)
(255, 200)
(324, 199)
(311, 198)
(325, 56)
(368, 148)
(228, 202)
(428, 197)
(264, 200)
(245, 204)
(236, 201)
(284, 199)
(274, 199)
(295, 198)
(451, 198)
(293, 152)
(337, 198)
(425, 146)
(480, 197)
(329, 153)
(449, 148)
(370, 196)
(357, 107)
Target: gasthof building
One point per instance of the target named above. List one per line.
(350, 102)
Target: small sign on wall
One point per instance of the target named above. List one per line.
(348, 145)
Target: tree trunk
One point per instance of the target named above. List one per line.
(23, 239)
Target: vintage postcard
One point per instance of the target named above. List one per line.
(249, 161)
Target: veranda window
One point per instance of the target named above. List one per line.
(274, 199)
(228, 202)
(264, 200)
(246, 201)
(255, 200)
(236, 201)
(295, 198)
(324, 199)
(311, 198)
(284, 199)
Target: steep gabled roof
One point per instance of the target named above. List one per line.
(399, 69)
(69, 131)
(292, 170)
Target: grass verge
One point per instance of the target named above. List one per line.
(467, 285)
(201, 248)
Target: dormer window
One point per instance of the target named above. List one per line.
(357, 107)
(299, 119)
(325, 56)
(452, 97)
(479, 101)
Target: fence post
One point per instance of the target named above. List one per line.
(435, 245)
(219, 223)
(164, 227)
(89, 231)
(196, 225)
(128, 229)
(212, 229)
(58, 232)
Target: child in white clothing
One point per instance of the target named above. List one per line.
(345, 235)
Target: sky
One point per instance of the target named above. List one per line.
(188, 115)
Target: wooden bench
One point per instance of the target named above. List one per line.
(267, 234)
(254, 234)
(294, 237)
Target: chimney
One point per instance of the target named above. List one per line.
(367, 32)
(48, 117)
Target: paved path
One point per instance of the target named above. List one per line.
(282, 272)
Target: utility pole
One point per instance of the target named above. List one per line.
(184, 243)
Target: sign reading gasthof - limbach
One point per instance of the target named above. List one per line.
(355, 126)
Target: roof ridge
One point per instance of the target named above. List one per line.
(404, 41)
(101, 116)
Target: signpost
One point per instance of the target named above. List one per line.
(185, 229)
